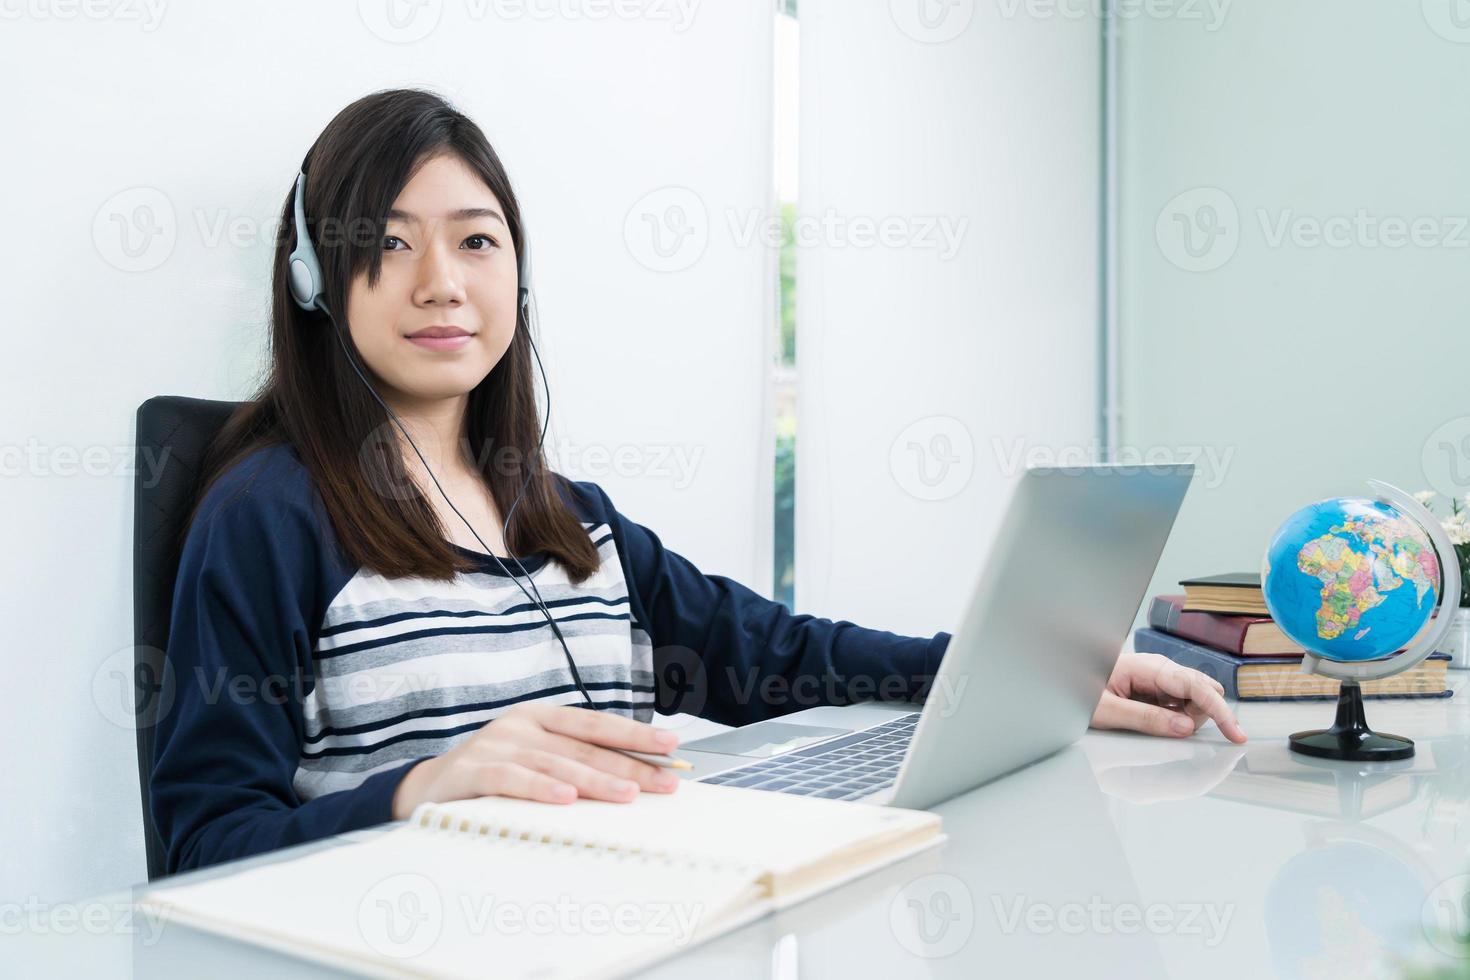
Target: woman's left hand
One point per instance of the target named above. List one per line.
(1152, 694)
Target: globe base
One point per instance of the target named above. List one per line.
(1369, 746)
(1350, 737)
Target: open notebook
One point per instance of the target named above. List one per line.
(512, 888)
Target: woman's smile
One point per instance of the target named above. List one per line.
(441, 337)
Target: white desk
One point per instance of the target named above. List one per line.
(1121, 856)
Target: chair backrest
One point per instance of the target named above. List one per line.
(173, 436)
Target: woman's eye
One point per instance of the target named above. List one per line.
(389, 240)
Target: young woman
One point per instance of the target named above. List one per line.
(345, 645)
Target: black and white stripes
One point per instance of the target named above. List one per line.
(408, 667)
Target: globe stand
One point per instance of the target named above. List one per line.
(1350, 737)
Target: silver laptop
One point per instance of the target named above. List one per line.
(1056, 596)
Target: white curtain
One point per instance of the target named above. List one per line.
(948, 294)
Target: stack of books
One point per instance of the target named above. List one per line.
(1220, 626)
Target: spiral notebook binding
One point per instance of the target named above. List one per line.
(515, 834)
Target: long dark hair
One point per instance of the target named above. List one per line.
(313, 400)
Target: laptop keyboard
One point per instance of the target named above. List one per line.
(844, 768)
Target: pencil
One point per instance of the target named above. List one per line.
(662, 761)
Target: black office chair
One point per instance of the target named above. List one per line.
(163, 495)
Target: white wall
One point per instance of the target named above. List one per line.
(932, 367)
(204, 115)
(1302, 368)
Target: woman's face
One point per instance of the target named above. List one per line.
(448, 262)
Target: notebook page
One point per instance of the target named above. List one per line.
(415, 902)
(766, 832)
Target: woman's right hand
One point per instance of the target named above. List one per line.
(552, 753)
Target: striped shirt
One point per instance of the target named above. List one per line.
(303, 688)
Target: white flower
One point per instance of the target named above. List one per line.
(1457, 530)
(1424, 497)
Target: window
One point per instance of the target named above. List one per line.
(784, 365)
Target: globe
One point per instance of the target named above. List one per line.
(1351, 578)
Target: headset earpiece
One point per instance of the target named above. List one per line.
(305, 277)
(523, 272)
